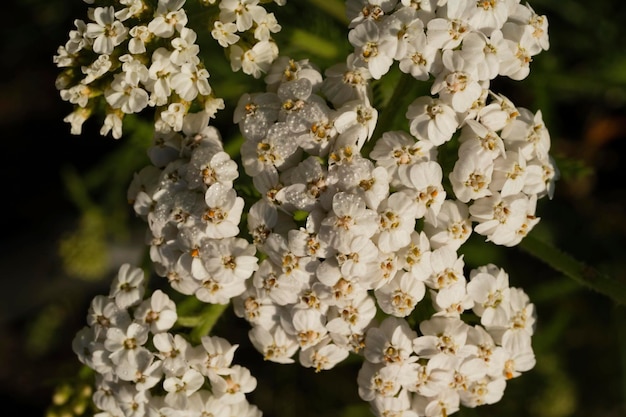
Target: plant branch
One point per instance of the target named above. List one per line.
(574, 269)
(207, 320)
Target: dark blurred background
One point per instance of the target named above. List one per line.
(67, 228)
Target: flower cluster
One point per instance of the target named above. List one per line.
(136, 54)
(193, 212)
(337, 244)
(450, 362)
(143, 369)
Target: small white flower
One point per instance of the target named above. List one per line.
(106, 31)
(128, 286)
(391, 342)
(432, 119)
(168, 18)
(471, 177)
(374, 47)
(180, 388)
(159, 312)
(323, 356)
(221, 218)
(276, 345)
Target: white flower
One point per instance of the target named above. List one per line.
(180, 388)
(215, 292)
(489, 16)
(398, 151)
(225, 33)
(124, 95)
(355, 118)
(203, 402)
(391, 342)
(125, 344)
(451, 301)
(276, 286)
(254, 61)
(345, 82)
(222, 217)
(255, 113)
(185, 50)
(232, 387)
(308, 326)
(172, 350)
(159, 312)
(216, 356)
(379, 379)
(535, 24)
(446, 268)
(489, 288)
(209, 165)
(307, 187)
(501, 218)
(443, 336)
(528, 135)
(351, 317)
(425, 188)
(256, 307)
(106, 31)
(225, 260)
(517, 67)
(349, 217)
(191, 81)
(519, 357)
(145, 372)
(393, 406)
(451, 227)
(323, 356)
(396, 221)
(446, 34)
(487, 52)
(275, 151)
(243, 12)
(104, 313)
(169, 17)
(477, 138)
(471, 177)
(128, 286)
(432, 119)
(458, 83)
(359, 11)
(275, 344)
(374, 47)
(265, 26)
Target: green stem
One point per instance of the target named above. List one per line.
(207, 320)
(574, 269)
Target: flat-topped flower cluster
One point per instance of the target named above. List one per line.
(334, 249)
(135, 54)
(142, 369)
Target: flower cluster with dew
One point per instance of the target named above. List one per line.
(347, 229)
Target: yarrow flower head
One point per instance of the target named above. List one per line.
(328, 227)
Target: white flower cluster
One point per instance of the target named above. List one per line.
(503, 163)
(450, 362)
(340, 246)
(144, 370)
(462, 43)
(193, 212)
(137, 54)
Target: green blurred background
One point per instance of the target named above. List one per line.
(65, 195)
